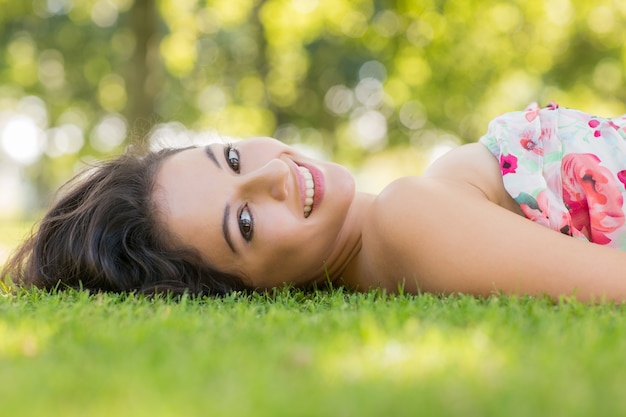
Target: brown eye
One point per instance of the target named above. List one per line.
(232, 158)
(246, 223)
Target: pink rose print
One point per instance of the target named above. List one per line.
(539, 212)
(529, 144)
(532, 112)
(592, 196)
(621, 176)
(594, 123)
(553, 105)
(508, 164)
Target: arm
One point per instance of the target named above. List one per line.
(451, 233)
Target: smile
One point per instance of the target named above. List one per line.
(309, 190)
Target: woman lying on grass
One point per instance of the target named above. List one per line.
(256, 215)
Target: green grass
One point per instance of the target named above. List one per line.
(319, 354)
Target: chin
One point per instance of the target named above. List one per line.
(344, 177)
(339, 182)
(345, 185)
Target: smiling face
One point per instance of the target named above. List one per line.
(259, 210)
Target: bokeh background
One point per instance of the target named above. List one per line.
(379, 85)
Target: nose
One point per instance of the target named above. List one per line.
(270, 179)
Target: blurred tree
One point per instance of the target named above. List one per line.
(142, 73)
(84, 78)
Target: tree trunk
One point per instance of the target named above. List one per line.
(143, 72)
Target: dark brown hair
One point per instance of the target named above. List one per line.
(103, 234)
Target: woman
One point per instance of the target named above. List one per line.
(258, 215)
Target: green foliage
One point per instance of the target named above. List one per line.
(327, 353)
(349, 77)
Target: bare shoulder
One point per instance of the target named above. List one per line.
(472, 168)
(442, 234)
(472, 158)
(402, 225)
(473, 164)
(418, 224)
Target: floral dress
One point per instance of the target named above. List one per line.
(566, 169)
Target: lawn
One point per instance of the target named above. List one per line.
(309, 354)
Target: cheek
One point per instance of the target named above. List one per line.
(283, 244)
(260, 150)
(292, 265)
(286, 243)
(287, 253)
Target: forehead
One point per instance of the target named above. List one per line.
(179, 182)
(191, 200)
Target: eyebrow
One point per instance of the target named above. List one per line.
(225, 229)
(211, 155)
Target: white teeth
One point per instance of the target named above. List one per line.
(305, 172)
(309, 190)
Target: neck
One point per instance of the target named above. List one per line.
(349, 240)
